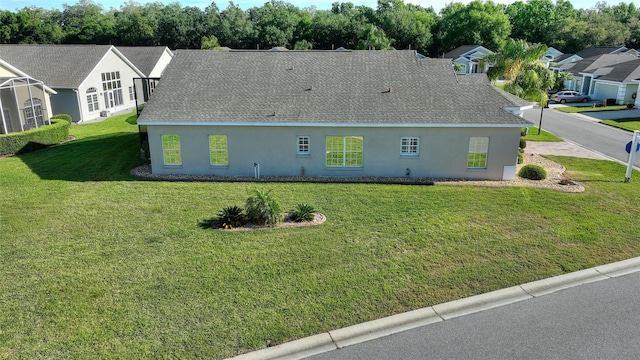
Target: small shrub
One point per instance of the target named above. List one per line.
(66, 117)
(520, 158)
(302, 212)
(263, 209)
(532, 172)
(523, 143)
(629, 106)
(230, 217)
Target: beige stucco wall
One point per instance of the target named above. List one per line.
(443, 151)
(110, 63)
(4, 72)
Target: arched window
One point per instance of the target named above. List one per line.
(33, 113)
(92, 99)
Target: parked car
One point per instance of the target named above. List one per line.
(569, 96)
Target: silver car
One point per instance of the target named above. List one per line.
(569, 96)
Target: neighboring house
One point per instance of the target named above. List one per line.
(151, 60)
(329, 113)
(91, 81)
(591, 76)
(618, 83)
(468, 57)
(550, 56)
(589, 53)
(24, 101)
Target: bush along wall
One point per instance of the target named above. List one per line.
(35, 139)
(63, 117)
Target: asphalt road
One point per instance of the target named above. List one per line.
(600, 320)
(586, 131)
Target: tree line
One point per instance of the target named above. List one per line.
(392, 24)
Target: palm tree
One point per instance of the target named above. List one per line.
(512, 57)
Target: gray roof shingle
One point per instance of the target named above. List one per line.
(625, 72)
(144, 58)
(321, 87)
(64, 66)
(597, 62)
(597, 50)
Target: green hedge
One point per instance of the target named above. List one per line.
(63, 117)
(35, 139)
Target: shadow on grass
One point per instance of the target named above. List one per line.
(206, 224)
(98, 158)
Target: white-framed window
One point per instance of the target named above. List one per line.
(92, 99)
(409, 146)
(33, 113)
(112, 88)
(344, 151)
(218, 151)
(171, 149)
(478, 149)
(303, 145)
(131, 94)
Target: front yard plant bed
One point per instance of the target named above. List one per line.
(97, 264)
(318, 219)
(144, 172)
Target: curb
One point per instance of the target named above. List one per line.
(336, 339)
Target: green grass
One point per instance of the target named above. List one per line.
(631, 124)
(97, 264)
(579, 109)
(532, 135)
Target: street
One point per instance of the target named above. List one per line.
(586, 131)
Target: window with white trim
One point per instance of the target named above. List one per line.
(344, 151)
(303, 145)
(478, 149)
(92, 99)
(218, 153)
(409, 146)
(171, 149)
(112, 88)
(33, 113)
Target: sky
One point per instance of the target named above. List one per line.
(14, 5)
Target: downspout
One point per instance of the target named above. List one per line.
(79, 105)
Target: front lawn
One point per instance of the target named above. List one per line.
(97, 264)
(630, 124)
(579, 109)
(532, 135)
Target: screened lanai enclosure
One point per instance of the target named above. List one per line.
(23, 104)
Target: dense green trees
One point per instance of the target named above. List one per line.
(277, 23)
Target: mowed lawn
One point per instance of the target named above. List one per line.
(97, 264)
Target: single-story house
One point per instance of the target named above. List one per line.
(618, 83)
(468, 57)
(329, 113)
(91, 81)
(550, 56)
(586, 70)
(596, 51)
(24, 101)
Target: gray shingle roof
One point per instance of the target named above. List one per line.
(63, 66)
(597, 50)
(320, 87)
(625, 72)
(144, 58)
(457, 52)
(594, 63)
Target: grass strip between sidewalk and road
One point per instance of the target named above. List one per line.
(532, 135)
(630, 124)
(580, 109)
(97, 264)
